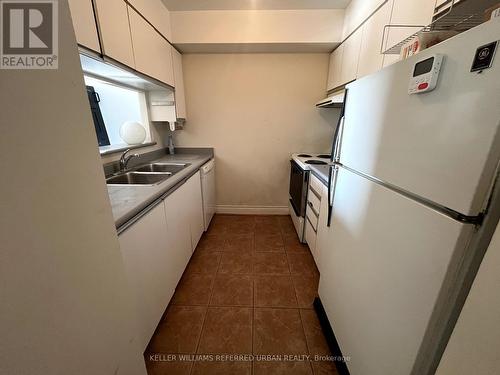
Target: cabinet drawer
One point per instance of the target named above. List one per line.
(316, 185)
(314, 201)
(310, 235)
(312, 218)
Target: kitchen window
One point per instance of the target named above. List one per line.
(112, 106)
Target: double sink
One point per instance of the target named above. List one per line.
(149, 174)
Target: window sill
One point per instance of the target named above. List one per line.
(113, 149)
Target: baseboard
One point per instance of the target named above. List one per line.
(251, 210)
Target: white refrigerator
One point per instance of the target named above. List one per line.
(409, 196)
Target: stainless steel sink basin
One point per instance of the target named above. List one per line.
(137, 178)
(162, 167)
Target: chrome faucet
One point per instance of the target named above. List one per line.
(125, 159)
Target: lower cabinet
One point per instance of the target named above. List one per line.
(156, 249)
(321, 241)
(194, 207)
(317, 206)
(178, 229)
(147, 253)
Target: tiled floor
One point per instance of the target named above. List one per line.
(248, 290)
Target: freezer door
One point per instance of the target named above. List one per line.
(382, 270)
(442, 145)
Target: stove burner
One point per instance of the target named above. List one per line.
(304, 156)
(324, 156)
(319, 162)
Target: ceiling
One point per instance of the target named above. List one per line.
(187, 5)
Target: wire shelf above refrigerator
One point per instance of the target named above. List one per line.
(458, 18)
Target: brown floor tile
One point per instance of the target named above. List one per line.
(282, 368)
(285, 220)
(267, 220)
(238, 228)
(179, 331)
(232, 290)
(274, 291)
(232, 262)
(204, 262)
(244, 219)
(293, 245)
(240, 243)
(168, 367)
(306, 289)
(316, 341)
(287, 227)
(270, 263)
(216, 229)
(223, 218)
(269, 229)
(193, 289)
(227, 330)
(288, 231)
(302, 264)
(211, 242)
(324, 368)
(269, 242)
(278, 331)
(222, 368)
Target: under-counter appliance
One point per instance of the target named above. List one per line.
(299, 182)
(414, 195)
(208, 191)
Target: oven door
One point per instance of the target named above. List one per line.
(298, 188)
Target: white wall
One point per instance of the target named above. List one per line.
(474, 344)
(257, 26)
(65, 307)
(256, 109)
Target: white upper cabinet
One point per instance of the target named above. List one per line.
(115, 31)
(370, 57)
(350, 57)
(411, 13)
(84, 24)
(357, 12)
(335, 68)
(153, 54)
(180, 100)
(156, 13)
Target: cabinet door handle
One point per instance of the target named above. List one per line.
(309, 203)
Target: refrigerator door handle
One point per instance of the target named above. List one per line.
(332, 182)
(337, 137)
(338, 145)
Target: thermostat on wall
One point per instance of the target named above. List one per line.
(425, 74)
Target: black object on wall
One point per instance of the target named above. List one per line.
(100, 128)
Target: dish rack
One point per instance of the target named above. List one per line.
(458, 17)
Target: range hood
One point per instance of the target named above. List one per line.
(336, 100)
